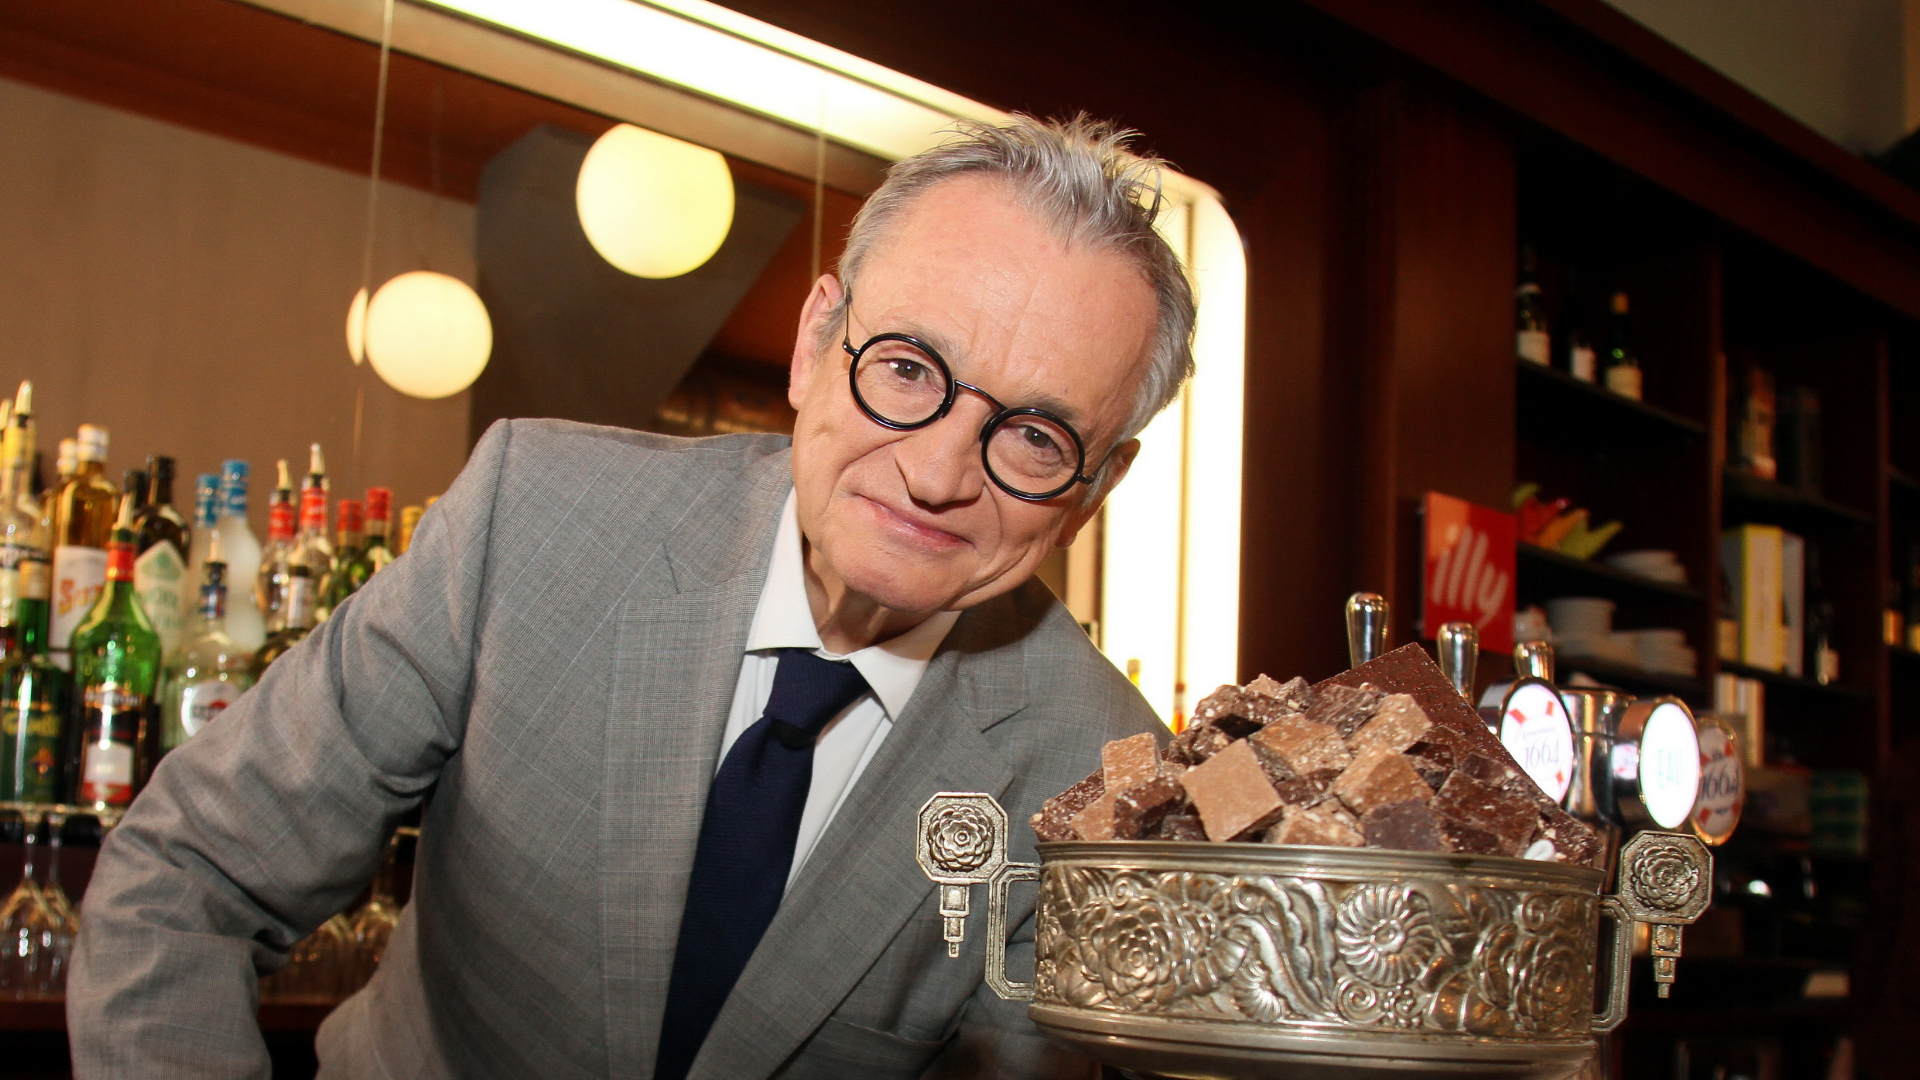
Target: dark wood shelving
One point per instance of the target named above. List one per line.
(1557, 409)
(1837, 691)
(1629, 676)
(1567, 576)
(1749, 498)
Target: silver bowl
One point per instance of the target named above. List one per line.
(1252, 960)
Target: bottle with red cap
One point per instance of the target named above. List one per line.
(351, 569)
(276, 558)
(379, 525)
(311, 548)
(116, 669)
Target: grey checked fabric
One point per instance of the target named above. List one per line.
(549, 668)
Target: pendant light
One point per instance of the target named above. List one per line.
(652, 205)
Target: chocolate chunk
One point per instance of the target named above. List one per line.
(1302, 745)
(1574, 841)
(1195, 745)
(1293, 788)
(1432, 760)
(1236, 712)
(1467, 840)
(1294, 695)
(1095, 822)
(1138, 811)
(1231, 792)
(1325, 825)
(1513, 819)
(1130, 761)
(1380, 777)
(1055, 819)
(1398, 723)
(1182, 824)
(1405, 826)
(1344, 708)
(1409, 670)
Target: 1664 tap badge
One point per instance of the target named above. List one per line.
(1723, 782)
(1535, 729)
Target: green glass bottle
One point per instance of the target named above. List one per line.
(33, 692)
(351, 566)
(298, 613)
(116, 669)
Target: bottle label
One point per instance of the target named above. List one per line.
(1535, 729)
(313, 509)
(120, 562)
(33, 761)
(1582, 362)
(203, 701)
(1532, 345)
(280, 521)
(79, 573)
(1624, 380)
(110, 719)
(160, 583)
(36, 578)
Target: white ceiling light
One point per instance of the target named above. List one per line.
(652, 205)
(427, 334)
(357, 327)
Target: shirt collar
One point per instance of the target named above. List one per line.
(784, 620)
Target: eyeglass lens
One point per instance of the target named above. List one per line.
(906, 387)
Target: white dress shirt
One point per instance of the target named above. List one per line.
(784, 620)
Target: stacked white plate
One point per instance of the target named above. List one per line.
(1661, 650)
(1583, 626)
(1657, 565)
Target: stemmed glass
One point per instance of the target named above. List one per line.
(37, 925)
(65, 920)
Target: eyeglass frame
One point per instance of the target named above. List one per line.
(1001, 414)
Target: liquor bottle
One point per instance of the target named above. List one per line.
(206, 509)
(1893, 617)
(33, 725)
(210, 670)
(409, 521)
(1823, 659)
(116, 669)
(162, 540)
(242, 548)
(1578, 357)
(311, 547)
(351, 567)
(270, 584)
(298, 615)
(1531, 340)
(83, 515)
(1913, 596)
(1623, 364)
(379, 524)
(66, 463)
(25, 563)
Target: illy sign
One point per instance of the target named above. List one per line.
(1467, 571)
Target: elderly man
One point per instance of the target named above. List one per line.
(671, 706)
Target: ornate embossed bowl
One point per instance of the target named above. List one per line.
(1209, 960)
(1243, 960)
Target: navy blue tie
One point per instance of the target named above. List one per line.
(746, 847)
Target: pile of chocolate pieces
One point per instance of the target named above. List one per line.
(1386, 755)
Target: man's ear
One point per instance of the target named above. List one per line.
(1116, 471)
(814, 316)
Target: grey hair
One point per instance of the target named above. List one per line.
(1077, 176)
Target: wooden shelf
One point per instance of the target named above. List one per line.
(1766, 502)
(1836, 691)
(1585, 418)
(1565, 575)
(1628, 676)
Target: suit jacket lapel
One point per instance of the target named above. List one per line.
(861, 884)
(677, 661)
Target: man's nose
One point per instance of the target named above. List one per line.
(941, 462)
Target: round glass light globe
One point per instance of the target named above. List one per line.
(357, 327)
(428, 335)
(652, 205)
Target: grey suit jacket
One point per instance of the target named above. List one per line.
(550, 668)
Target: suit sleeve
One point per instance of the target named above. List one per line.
(997, 1041)
(272, 819)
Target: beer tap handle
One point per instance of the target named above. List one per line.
(1533, 659)
(1459, 645)
(1366, 626)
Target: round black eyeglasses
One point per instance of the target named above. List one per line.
(902, 383)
